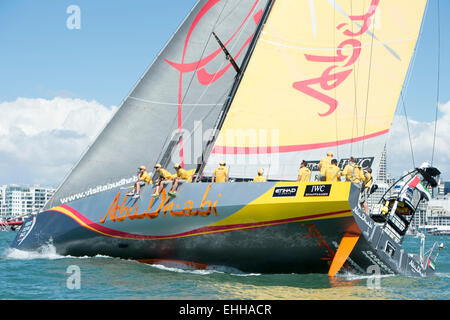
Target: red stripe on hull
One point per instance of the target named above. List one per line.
(203, 230)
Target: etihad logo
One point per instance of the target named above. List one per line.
(285, 192)
(342, 66)
(122, 211)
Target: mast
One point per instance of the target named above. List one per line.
(238, 78)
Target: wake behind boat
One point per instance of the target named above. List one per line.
(287, 91)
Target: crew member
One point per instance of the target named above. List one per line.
(332, 173)
(180, 177)
(260, 177)
(163, 178)
(143, 178)
(220, 174)
(304, 174)
(323, 165)
(367, 183)
(352, 172)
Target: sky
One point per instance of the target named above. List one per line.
(59, 86)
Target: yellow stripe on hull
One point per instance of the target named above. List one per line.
(269, 208)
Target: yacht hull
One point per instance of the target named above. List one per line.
(272, 227)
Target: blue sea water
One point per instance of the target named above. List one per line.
(48, 276)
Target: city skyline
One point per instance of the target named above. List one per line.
(61, 82)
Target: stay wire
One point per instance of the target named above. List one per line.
(336, 111)
(405, 86)
(368, 82)
(438, 80)
(407, 127)
(193, 75)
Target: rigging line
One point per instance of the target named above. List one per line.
(355, 109)
(354, 86)
(325, 48)
(408, 76)
(240, 33)
(203, 52)
(194, 73)
(368, 82)
(197, 126)
(192, 78)
(334, 90)
(236, 42)
(174, 104)
(407, 127)
(412, 64)
(238, 78)
(238, 4)
(355, 123)
(438, 82)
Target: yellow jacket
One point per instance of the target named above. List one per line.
(221, 174)
(183, 174)
(146, 177)
(359, 175)
(352, 171)
(259, 179)
(368, 180)
(325, 162)
(332, 173)
(164, 174)
(304, 174)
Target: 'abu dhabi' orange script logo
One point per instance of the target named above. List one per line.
(120, 212)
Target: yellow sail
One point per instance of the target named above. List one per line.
(324, 75)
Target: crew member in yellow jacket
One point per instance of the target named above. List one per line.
(143, 178)
(220, 174)
(304, 174)
(180, 177)
(163, 178)
(324, 163)
(367, 183)
(352, 172)
(260, 177)
(332, 173)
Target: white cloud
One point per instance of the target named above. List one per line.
(422, 137)
(40, 139)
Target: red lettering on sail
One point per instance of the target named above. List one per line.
(204, 77)
(338, 78)
(366, 19)
(332, 77)
(356, 45)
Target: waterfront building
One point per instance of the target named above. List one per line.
(18, 200)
